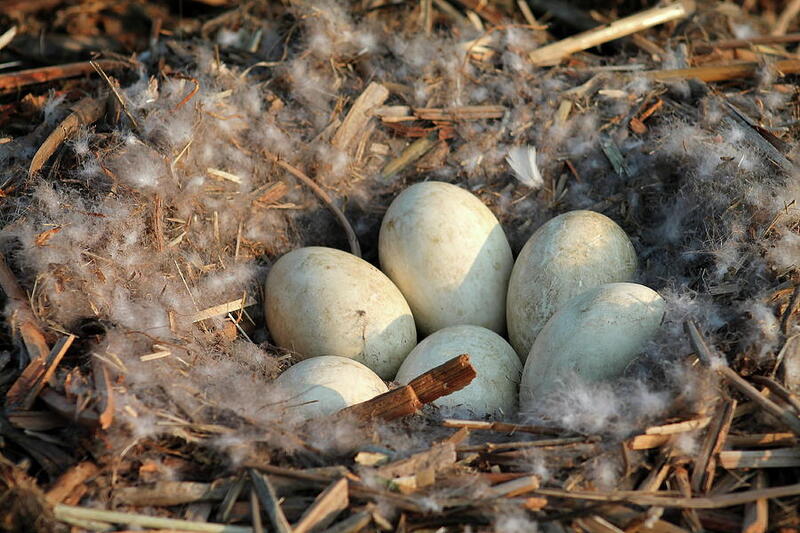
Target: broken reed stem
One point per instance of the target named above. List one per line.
(352, 239)
(269, 501)
(30, 383)
(710, 502)
(552, 54)
(707, 356)
(65, 513)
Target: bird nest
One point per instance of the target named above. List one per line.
(156, 163)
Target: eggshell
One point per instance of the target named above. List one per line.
(448, 254)
(321, 301)
(594, 336)
(323, 385)
(493, 391)
(569, 254)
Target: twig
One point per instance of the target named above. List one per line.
(745, 43)
(65, 512)
(7, 36)
(786, 17)
(412, 153)
(352, 239)
(779, 390)
(397, 403)
(326, 507)
(552, 54)
(509, 489)
(710, 502)
(66, 483)
(166, 493)
(474, 112)
(115, 91)
(21, 78)
(85, 112)
(723, 72)
(706, 355)
(269, 500)
(445, 379)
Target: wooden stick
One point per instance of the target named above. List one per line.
(166, 493)
(723, 72)
(779, 390)
(70, 479)
(391, 405)
(786, 17)
(352, 239)
(412, 153)
(21, 78)
(707, 356)
(269, 500)
(515, 487)
(552, 54)
(326, 507)
(745, 43)
(64, 512)
(709, 502)
(85, 112)
(445, 379)
(474, 112)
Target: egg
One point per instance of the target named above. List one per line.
(323, 385)
(321, 301)
(449, 256)
(493, 391)
(593, 336)
(569, 254)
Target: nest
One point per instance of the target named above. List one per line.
(159, 163)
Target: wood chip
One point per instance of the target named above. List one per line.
(355, 123)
